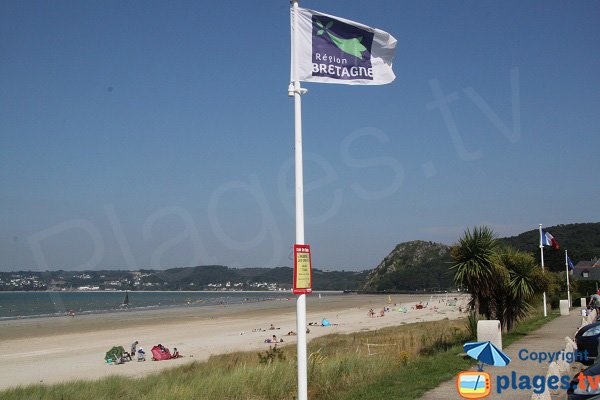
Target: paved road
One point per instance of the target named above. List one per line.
(549, 338)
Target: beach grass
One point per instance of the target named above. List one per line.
(426, 373)
(399, 362)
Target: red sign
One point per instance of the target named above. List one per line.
(302, 269)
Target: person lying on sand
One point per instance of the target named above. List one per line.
(291, 333)
(273, 340)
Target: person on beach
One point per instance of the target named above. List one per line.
(141, 354)
(176, 353)
(133, 348)
(273, 340)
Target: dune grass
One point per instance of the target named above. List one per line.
(410, 360)
(426, 373)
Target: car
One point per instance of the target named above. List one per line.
(588, 340)
(589, 391)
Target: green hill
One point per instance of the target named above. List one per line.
(201, 277)
(410, 266)
(416, 265)
(581, 240)
(420, 265)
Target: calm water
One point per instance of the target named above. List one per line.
(35, 304)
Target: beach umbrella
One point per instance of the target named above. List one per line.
(114, 353)
(325, 322)
(486, 353)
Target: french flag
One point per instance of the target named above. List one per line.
(548, 240)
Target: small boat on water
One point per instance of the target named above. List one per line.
(125, 301)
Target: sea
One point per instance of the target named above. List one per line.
(17, 305)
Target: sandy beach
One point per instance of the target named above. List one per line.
(50, 350)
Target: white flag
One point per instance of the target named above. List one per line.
(336, 50)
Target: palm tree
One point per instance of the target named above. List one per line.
(476, 267)
(502, 282)
(525, 281)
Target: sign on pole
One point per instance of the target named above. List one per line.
(302, 269)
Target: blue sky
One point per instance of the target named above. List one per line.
(159, 134)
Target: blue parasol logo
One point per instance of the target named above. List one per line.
(486, 353)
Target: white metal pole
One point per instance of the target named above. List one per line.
(301, 302)
(567, 271)
(542, 253)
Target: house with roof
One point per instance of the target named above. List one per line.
(587, 270)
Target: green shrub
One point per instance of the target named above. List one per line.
(273, 354)
(472, 320)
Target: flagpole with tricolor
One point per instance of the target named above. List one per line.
(546, 239)
(542, 258)
(326, 49)
(568, 268)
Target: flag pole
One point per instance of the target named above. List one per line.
(542, 253)
(567, 271)
(301, 302)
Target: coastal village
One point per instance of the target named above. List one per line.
(134, 280)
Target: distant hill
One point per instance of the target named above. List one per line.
(207, 277)
(416, 265)
(410, 266)
(420, 265)
(581, 240)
